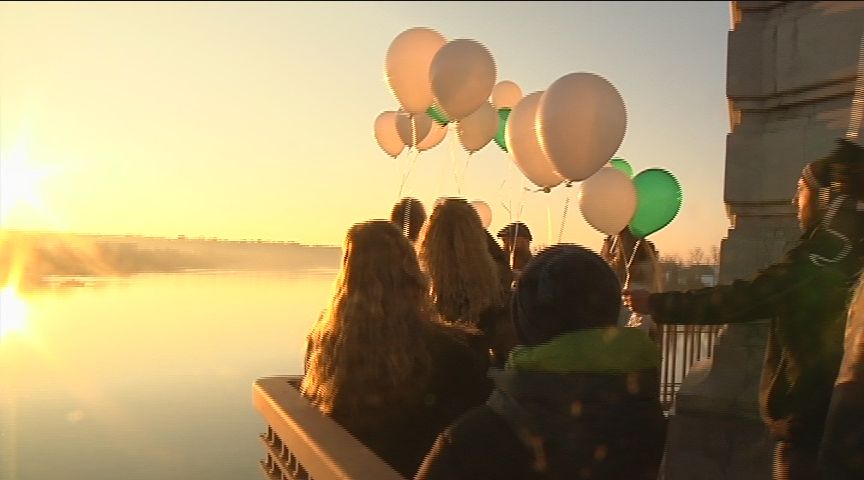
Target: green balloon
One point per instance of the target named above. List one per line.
(658, 195)
(621, 164)
(436, 114)
(503, 115)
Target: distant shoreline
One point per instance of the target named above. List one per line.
(29, 258)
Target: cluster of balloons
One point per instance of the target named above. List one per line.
(437, 83)
(564, 134)
(610, 200)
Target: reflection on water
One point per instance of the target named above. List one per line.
(13, 312)
(147, 377)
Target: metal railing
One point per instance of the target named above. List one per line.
(682, 346)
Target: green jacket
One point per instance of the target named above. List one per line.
(805, 296)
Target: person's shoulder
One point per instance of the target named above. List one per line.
(480, 421)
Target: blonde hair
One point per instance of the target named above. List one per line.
(454, 252)
(372, 345)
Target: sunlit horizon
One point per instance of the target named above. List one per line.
(217, 120)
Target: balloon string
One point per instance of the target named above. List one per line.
(406, 219)
(453, 164)
(461, 180)
(563, 218)
(400, 171)
(548, 221)
(516, 231)
(630, 263)
(412, 159)
(856, 111)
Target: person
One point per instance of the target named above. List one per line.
(578, 397)
(517, 243)
(644, 273)
(805, 296)
(841, 456)
(409, 215)
(380, 362)
(467, 285)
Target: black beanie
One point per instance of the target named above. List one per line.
(564, 288)
(840, 172)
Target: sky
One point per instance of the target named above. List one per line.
(255, 120)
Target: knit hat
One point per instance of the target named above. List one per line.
(564, 288)
(517, 230)
(839, 173)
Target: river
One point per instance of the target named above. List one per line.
(147, 377)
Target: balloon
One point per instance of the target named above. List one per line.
(621, 164)
(659, 200)
(483, 211)
(479, 128)
(407, 67)
(580, 122)
(436, 134)
(437, 115)
(500, 136)
(608, 200)
(506, 94)
(386, 134)
(462, 75)
(523, 146)
(403, 125)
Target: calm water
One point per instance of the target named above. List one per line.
(148, 377)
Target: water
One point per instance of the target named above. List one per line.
(150, 376)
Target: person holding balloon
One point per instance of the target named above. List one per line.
(636, 265)
(805, 296)
(516, 238)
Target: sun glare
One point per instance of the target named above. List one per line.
(13, 312)
(19, 184)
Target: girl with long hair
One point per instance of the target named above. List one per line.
(379, 362)
(468, 286)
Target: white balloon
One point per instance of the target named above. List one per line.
(386, 134)
(421, 122)
(523, 146)
(407, 67)
(479, 128)
(580, 123)
(434, 137)
(462, 75)
(483, 211)
(608, 200)
(506, 94)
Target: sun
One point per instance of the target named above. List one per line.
(19, 184)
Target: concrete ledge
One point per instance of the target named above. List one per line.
(309, 441)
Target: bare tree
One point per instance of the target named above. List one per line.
(697, 256)
(715, 255)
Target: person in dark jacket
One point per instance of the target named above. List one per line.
(578, 397)
(380, 362)
(842, 453)
(517, 243)
(409, 215)
(805, 296)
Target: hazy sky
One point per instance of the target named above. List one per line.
(254, 120)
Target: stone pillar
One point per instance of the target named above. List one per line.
(790, 78)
